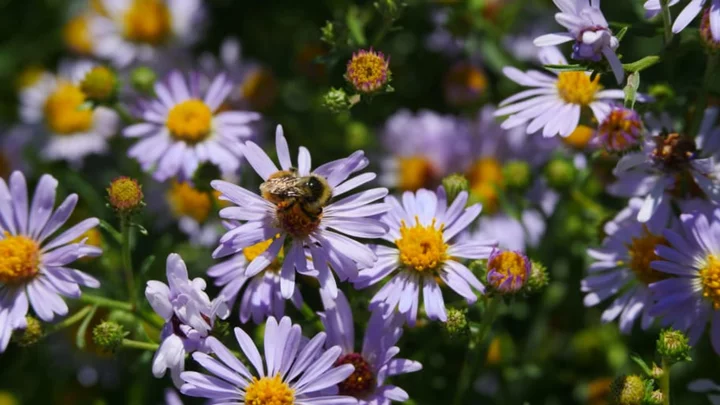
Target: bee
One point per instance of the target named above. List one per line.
(287, 188)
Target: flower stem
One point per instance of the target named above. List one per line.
(665, 382)
(710, 70)
(126, 229)
(667, 20)
(134, 344)
(106, 302)
(71, 320)
(311, 316)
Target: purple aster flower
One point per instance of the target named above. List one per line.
(670, 162)
(621, 131)
(621, 271)
(189, 317)
(507, 271)
(375, 362)
(33, 266)
(324, 235)
(290, 375)
(262, 296)
(172, 397)
(690, 298)
(588, 27)
(422, 231)
(554, 102)
(183, 128)
(693, 8)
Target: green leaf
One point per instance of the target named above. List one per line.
(356, 26)
(146, 264)
(631, 90)
(111, 230)
(641, 64)
(80, 337)
(566, 68)
(622, 33)
(640, 362)
(140, 228)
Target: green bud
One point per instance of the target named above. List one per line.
(560, 173)
(454, 184)
(656, 372)
(358, 136)
(538, 277)
(673, 346)
(656, 398)
(328, 33)
(100, 84)
(336, 100)
(32, 333)
(143, 79)
(457, 326)
(627, 390)
(109, 335)
(517, 174)
(203, 175)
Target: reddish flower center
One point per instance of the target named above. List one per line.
(362, 381)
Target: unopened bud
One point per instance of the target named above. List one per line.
(336, 100)
(656, 398)
(508, 271)
(100, 84)
(627, 390)
(517, 174)
(32, 333)
(368, 71)
(109, 335)
(143, 79)
(560, 173)
(125, 195)
(539, 278)
(657, 372)
(673, 346)
(457, 326)
(455, 184)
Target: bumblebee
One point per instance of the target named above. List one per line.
(287, 188)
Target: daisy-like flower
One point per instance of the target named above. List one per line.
(289, 376)
(689, 298)
(692, 10)
(422, 231)
(189, 317)
(671, 162)
(621, 270)
(323, 235)
(262, 296)
(33, 266)
(183, 128)
(375, 362)
(554, 102)
(621, 131)
(143, 30)
(57, 102)
(192, 208)
(588, 27)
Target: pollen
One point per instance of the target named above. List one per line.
(76, 35)
(362, 381)
(710, 278)
(367, 71)
(190, 121)
(580, 137)
(422, 248)
(642, 252)
(486, 182)
(508, 271)
(186, 201)
(147, 21)
(621, 130)
(125, 194)
(64, 113)
(577, 88)
(414, 172)
(19, 259)
(251, 252)
(292, 218)
(269, 391)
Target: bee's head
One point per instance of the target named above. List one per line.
(320, 190)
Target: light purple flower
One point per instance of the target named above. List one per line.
(588, 27)
(172, 397)
(670, 162)
(183, 128)
(324, 237)
(422, 233)
(188, 313)
(690, 299)
(693, 8)
(375, 362)
(293, 373)
(35, 268)
(621, 270)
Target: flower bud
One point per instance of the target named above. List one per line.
(125, 195)
(538, 277)
(368, 71)
(673, 346)
(32, 333)
(109, 335)
(100, 84)
(508, 271)
(657, 372)
(560, 173)
(455, 184)
(457, 326)
(656, 398)
(517, 174)
(621, 131)
(143, 79)
(627, 390)
(336, 100)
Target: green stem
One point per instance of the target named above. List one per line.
(311, 316)
(71, 320)
(588, 203)
(123, 113)
(127, 260)
(106, 302)
(665, 382)
(667, 20)
(134, 344)
(710, 70)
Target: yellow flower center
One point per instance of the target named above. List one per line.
(642, 252)
(147, 21)
(29, 77)
(486, 182)
(63, 112)
(125, 194)
(577, 88)
(19, 259)
(507, 271)
(77, 35)
(367, 71)
(580, 137)
(422, 248)
(251, 252)
(415, 172)
(190, 121)
(710, 277)
(186, 201)
(269, 391)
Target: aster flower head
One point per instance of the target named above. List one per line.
(327, 231)
(183, 128)
(262, 296)
(711, 18)
(422, 233)
(73, 129)
(588, 27)
(621, 271)
(671, 162)
(507, 271)
(368, 71)
(193, 210)
(34, 266)
(290, 375)
(189, 316)
(688, 299)
(555, 101)
(375, 362)
(621, 131)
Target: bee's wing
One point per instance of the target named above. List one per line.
(284, 186)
